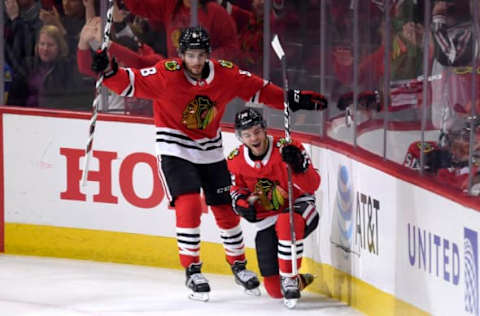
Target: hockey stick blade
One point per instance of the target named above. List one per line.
(277, 47)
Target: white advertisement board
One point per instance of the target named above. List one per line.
(404, 240)
(123, 193)
(401, 239)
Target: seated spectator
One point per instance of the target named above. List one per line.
(51, 79)
(457, 173)
(175, 15)
(447, 159)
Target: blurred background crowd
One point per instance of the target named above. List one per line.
(402, 76)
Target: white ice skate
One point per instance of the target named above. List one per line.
(246, 278)
(291, 291)
(197, 282)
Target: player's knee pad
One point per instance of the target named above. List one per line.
(272, 286)
(305, 206)
(224, 215)
(188, 210)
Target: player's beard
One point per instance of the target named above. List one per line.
(196, 71)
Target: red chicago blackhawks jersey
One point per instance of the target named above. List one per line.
(188, 112)
(412, 158)
(268, 178)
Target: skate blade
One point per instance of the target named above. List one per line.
(253, 292)
(199, 296)
(290, 303)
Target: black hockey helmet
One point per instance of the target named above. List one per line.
(195, 37)
(248, 118)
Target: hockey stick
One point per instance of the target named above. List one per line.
(277, 47)
(96, 101)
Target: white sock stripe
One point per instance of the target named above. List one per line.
(188, 253)
(233, 241)
(226, 233)
(287, 274)
(239, 245)
(188, 247)
(288, 257)
(188, 240)
(284, 248)
(288, 243)
(285, 243)
(233, 252)
(289, 249)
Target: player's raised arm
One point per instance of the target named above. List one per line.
(258, 90)
(147, 83)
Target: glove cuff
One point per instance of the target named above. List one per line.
(293, 99)
(112, 70)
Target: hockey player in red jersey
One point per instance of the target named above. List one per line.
(190, 94)
(259, 194)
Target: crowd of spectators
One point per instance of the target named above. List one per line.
(49, 43)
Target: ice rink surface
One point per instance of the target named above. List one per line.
(37, 286)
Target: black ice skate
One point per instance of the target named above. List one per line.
(290, 287)
(246, 278)
(197, 283)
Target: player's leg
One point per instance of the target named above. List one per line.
(306, 220)
(266, 246)
(216, 185)
(182, 183)
(289, 281)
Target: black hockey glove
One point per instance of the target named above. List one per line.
(306, 100)
(294, 158)
(438, 159)
(245, 209)
(366, 100)
(101, 63)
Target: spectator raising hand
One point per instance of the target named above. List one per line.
(52, 17)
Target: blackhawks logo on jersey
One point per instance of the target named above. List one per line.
(172, 65)
(427, 147)
(225, 63)
(282, 142)
(199, 113)
(271, 195)
(233, 153)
